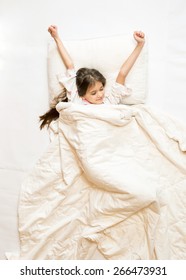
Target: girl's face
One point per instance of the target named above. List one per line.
(95, 94)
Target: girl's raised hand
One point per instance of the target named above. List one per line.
(139, 36)
(53, 31)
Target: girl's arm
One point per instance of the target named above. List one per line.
(127, 65)
(62, 50)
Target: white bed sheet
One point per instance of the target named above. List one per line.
(23, 75)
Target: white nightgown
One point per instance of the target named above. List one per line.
(116, 95)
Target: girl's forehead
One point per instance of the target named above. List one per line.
(95, 86)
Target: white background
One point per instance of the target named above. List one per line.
(23, 74)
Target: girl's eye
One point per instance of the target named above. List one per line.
(93, 93)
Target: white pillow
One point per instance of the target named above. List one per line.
(106, 55)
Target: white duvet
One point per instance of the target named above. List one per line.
(113, 177)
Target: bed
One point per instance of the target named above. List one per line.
(113, 177)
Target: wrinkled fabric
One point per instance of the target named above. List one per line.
(113, 178)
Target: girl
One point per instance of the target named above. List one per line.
(86, 86)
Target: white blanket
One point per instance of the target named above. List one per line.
(113, 177)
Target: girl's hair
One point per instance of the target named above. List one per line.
(51, 115)
(86, 77)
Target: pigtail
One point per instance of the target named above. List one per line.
(51, 115)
